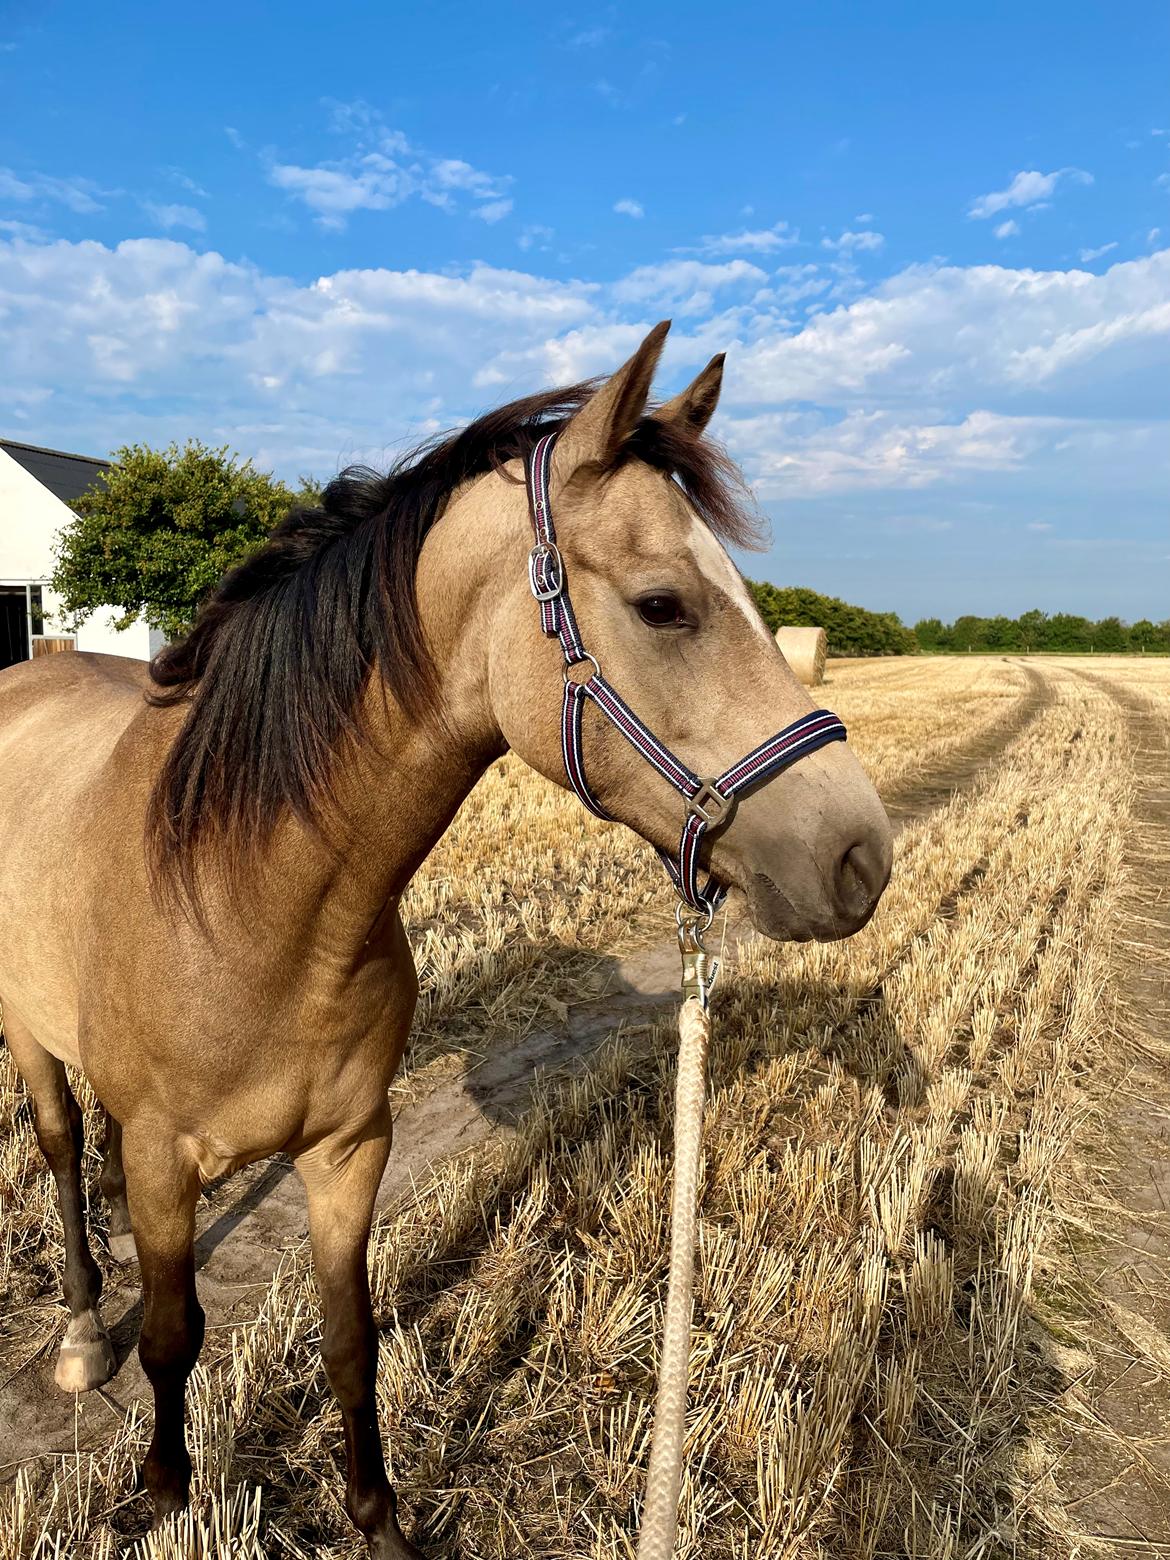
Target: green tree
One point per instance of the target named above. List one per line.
(1002, 633)
(160, 528)
(968, 633)
(1109, 636)
(932, 634)
(1143, 635)
(1069, 631)
(1033, 630)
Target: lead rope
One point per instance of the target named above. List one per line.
(660, 1517)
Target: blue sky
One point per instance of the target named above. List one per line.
(935, 241)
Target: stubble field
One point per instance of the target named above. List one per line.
(925, 1262)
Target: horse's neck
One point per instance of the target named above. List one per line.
(399, 789)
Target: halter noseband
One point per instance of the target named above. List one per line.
(709, 803)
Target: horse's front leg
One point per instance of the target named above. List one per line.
(162, 1183)
(342, 1182)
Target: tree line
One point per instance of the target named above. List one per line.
(1063, 631)
(850, 630)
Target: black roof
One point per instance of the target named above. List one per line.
(66, 476)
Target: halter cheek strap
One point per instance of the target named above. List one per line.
(709, 803)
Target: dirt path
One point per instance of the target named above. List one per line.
(1122, 1464)
(246, 1225)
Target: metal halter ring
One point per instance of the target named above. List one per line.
(580, 661)
(692, 924)
(710, 804)
(552, 552)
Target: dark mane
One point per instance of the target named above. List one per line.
(274, 668)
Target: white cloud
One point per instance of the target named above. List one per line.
(304, 377)
(794, 283)
(382, 171)
(978, 334)
(686, 285)
(170, 216)
(937, 376)
(494, 211)
(27, 230)
(333, 193)
(761, 241)
(1038, 525)
(794, 453)
(453, 173)
(1086, 255)
(1026, 189)
(79, 195)
(185, 182)
(629, 208)
(1007, 229)
(849, 243)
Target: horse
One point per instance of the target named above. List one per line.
(202, 863)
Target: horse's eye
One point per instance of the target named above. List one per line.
(661, 610)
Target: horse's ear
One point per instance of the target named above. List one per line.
(695, 406)
(596, 433)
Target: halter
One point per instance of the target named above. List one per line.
(709, 803)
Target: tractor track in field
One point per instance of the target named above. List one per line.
(926, 793)
(1117, 1478)
(244, 1228)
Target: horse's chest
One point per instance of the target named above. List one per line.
(245, 1067)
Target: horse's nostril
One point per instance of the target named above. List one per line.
(862, 874)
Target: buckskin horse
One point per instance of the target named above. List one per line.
(199, 893)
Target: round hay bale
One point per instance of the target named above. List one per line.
(805, 650)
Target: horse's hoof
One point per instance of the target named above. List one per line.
(86, 1359)
(122, 1248)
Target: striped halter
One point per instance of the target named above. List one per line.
(709, 803)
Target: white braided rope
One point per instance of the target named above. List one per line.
(660, 1519)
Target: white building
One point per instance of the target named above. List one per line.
(37, 487)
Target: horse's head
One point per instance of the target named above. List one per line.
(669, 618)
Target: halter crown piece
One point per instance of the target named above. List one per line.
(709, 802)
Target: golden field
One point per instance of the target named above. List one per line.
(905, 1181)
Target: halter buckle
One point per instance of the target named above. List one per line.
(555, 565)
(710, 804)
